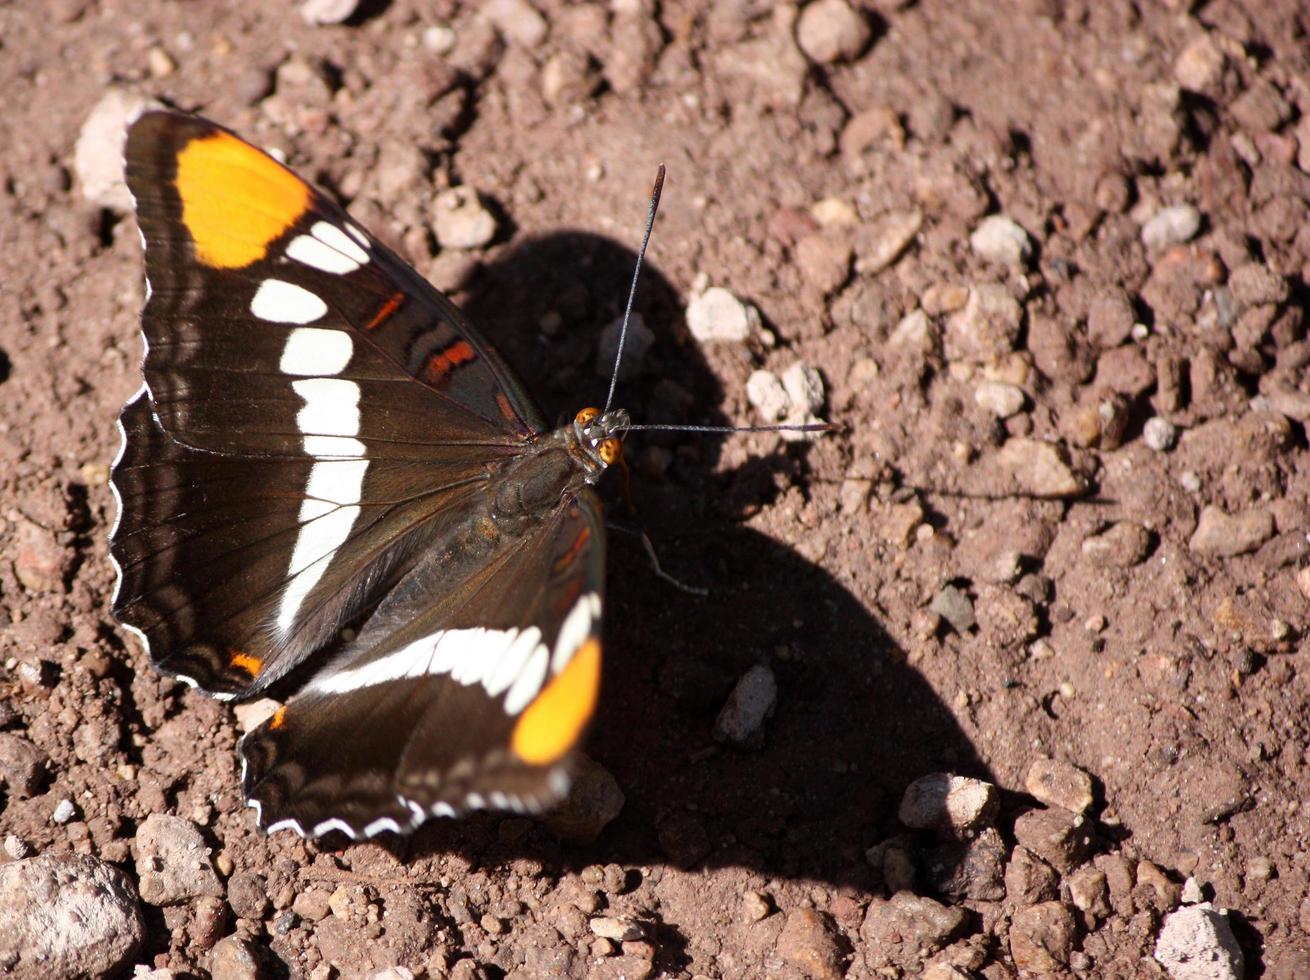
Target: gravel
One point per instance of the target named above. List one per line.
(1042, 936)
(1061, 784)
(830, 31)
(1160, 435)
(810, 942)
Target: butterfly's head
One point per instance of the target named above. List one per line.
(599, 434)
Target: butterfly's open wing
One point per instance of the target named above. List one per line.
(311, 408)
(467, 689)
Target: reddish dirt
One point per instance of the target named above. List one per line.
(1172, 672)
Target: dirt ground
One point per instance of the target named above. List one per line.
(1068, 520)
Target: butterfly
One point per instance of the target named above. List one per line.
(330, 479)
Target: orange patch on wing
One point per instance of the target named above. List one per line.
(388, 308)
(248, 662)
(506, 409)
(236, 200)
(443, 362)
(569, 557)
(553, 722)
(279, 718)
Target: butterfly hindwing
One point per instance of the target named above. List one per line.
(467, 689)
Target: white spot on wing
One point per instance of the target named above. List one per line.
(285, 302)
(331, 407)
(309, 250)
(528, 683)
(500, 674)
(575, 629)
(332, 236)
(316, 352)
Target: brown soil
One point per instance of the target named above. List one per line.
(1171, 671)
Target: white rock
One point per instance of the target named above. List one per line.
(804, 387)
(98, 155)
(914, 332)
(741, 720)
(1159, 434)
(318, 12)
(64, 812)
(1197, 943)
(459, 219)
(1000, 239)
(172, 861)
(1171, 226)
(999, 398)
(767, 395)
(517, 20)
(252, 714)
(947, 803)
(717, 316)
(829, 31)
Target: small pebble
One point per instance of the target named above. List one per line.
(1255, 284)
(1192, 892)
(617, 927)
(952, 605)
(636, 346)
(235, 958)
(1042, 936)
(741, 720)
(765, 392)
(321, 12)
(98, 153)
(1197, 943)
(755, 906)
(987, 328)
(805, 389)
(824, 262)
(594, 801)
(1171, 226)
(1001, 239)
(439, 39)
(1038, 468)
(173, 861)
(1224, 535)
(913, 332)
(459, 219)
(1060, 838)
(829, 31)
(1159, 434)
(890, 236)
(1059, 784)
(717, 316)
(949, 804)
(810, 942)
(517, 20)
(1122, 545)
(1002, 400)
(64, 811)
(1200, 66)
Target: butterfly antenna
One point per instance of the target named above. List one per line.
(632, 291)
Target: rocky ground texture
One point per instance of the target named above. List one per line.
(1011, 676)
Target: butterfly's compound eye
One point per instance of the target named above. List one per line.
(587, 416)
(610, 451)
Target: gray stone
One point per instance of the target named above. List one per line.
(1197, 943)
(172, 861)
(741, 720)
(66, 916)
(955, 607)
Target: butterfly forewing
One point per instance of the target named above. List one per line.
(317, 422)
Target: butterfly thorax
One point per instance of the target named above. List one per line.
(564, 461)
